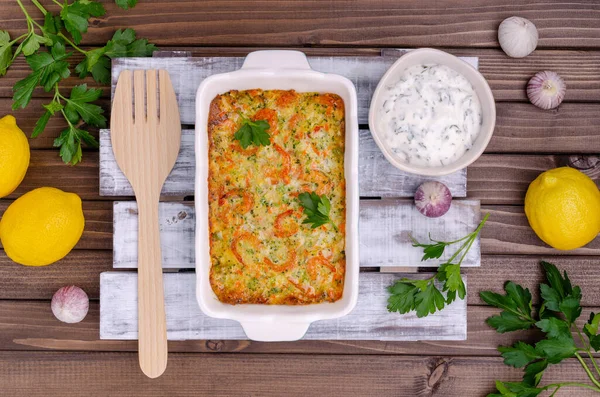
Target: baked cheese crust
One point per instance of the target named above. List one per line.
(260, 250)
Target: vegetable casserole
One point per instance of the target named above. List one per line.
(271, 153)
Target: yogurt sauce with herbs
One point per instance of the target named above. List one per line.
(431, 116)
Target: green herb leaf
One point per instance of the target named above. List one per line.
(6, 56)
(556, 350)
(125, 4)
(23, 89)
(516, 389)
(402, 297)
(560, 295)
(69, 142)
(40, 125)
(534, 372)
(519, 355)
(32, 43)
(555, 328)
(430, 251)
(453, 283)
(591, 330)
(75, 16)
(79, 104)
(316, 209)
(253, 132)
(48, 69)
(52, 27)
(516, 306)
(429, 301)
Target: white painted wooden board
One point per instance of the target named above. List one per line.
(377, 177)
(384, 228)
(370, 320)
(187, 74)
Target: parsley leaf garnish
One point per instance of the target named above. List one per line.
(556, 318)
(49, 66)
(253, 132)
(433, 294)
(122, 44)
(75, 16)
(316, 209)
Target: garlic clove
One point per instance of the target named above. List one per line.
(70, 304)
(546, 90)
(433, 199)
(518, 37)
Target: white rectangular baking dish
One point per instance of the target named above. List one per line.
(269, 70)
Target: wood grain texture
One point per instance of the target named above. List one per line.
(369, 320)
(352, 23)
(377, 177)
(97, 233)
(46, 168)
(188, 73)
(80, 267)
(48, 373)
(507, 77)
(384, 233)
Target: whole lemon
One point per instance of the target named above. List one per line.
(563, 208)
(42, 226)
(14, 155)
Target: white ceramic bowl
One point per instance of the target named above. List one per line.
(482, 89)
(284, 70)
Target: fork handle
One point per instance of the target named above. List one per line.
(152, 327)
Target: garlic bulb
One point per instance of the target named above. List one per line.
(518, 37)
(70, 304)
(546, 90)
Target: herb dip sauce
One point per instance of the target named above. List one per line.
(431, 116)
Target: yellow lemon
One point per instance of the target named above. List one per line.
(42, 226)
(14, 155)
(563, 208)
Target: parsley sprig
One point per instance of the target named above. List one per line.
(424, 296)
(253, 132)
(50, 67)
(316, 209)
(555, 317)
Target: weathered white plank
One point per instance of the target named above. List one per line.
(187, 74)
(377, 177)
(370, 320)
(384, 228)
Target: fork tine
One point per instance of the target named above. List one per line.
(139, 91)
(167, 99)
(123, 97)
(151, 103)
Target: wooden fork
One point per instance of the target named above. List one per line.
(146, 144)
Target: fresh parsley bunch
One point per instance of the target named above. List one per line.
(424, 296)
(556, 318)
(50, 67)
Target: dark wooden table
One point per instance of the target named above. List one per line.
(40, 356)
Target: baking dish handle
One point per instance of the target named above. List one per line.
(274, 332)
(276, 59)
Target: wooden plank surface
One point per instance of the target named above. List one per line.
(369, 320)
(346, 22)
(384, 228)
(83, 267)
(520, 127)
(30, 325)
(507, 77)
(187, 74)
(48, 373)
(377, 177)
